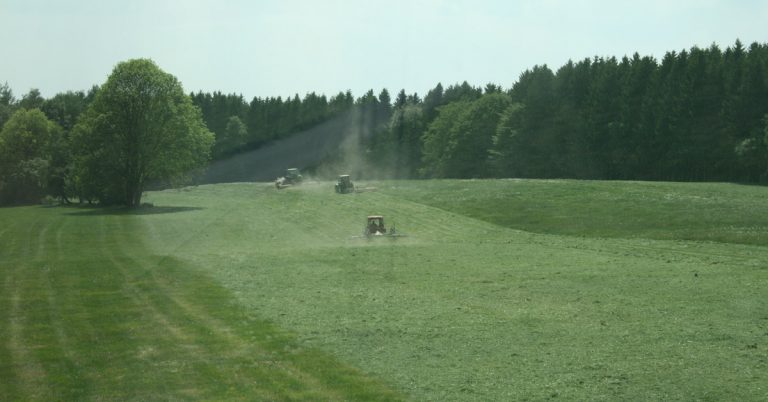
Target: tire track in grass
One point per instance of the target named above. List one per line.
(98, 303)
(174, 337)
(8, 353)
(8, 387)
(253, 355)
(139, 298)
(46, 315)
(151, 332)
(93, 315)
(80, 293)
(60, 311)
(464, 289)
(70, 363)
(237, 347)
(233, 346)
(130, 266)
(41, 244)
(29, 372)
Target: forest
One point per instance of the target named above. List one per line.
(699, 114)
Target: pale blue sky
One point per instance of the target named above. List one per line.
(270, 48)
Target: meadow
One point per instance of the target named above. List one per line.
(501, 290)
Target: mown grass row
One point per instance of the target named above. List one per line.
(502, 290)
(465, 309)
(87, 313)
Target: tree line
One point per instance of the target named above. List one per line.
(696, 115)
(105, 146)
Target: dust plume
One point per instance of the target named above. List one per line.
(337, 146)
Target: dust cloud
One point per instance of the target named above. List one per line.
(334, 147)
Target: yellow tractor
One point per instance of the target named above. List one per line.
(374, 226)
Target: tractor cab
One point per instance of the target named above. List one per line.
(375, 226)
(293, 175)
(344, 185)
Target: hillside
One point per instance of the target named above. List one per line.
(506, 289)
(338, 138)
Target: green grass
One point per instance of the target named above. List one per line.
(728, 213)
(503, 290)
(88, 313)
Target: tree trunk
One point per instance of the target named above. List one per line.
(137, 198)
(133, 193)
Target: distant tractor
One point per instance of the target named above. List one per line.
(292, 177)
(344, 185)
(374, 226)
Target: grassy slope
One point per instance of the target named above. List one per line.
(463, 308)
(87, 312)
(728, 213)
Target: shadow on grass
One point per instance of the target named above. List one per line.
(102, 211)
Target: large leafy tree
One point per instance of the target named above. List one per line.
(140, 128)
(27, 145)
(458, 142)
(438, 143)
(473, 136)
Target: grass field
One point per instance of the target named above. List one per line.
(502, 290)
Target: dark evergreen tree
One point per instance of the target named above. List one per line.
(402, 99)
(384, 105)
(432, 101)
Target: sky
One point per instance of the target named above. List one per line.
(285, 47)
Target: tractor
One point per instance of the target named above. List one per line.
(344, 185)
(375, 227)
(292, 177)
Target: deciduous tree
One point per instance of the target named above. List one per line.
(26, 149)
(141, 127)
